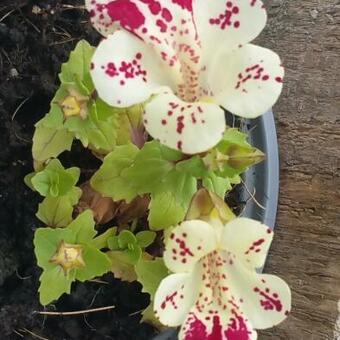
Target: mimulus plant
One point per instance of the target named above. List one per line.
(215, 291)
(194, 55)
(150, 104)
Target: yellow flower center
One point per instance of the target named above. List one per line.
(71, 106)
(207, 99)
(68, 256)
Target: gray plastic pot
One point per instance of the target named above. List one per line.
(263, 177)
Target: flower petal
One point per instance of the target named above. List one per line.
(167, 26)
(264, 299)
(100, 18)
(189, 127)
(188, 243)
(248, 81)
(175, 296)
(228, 23)
(125, 71)
(247, 239)
(209, 322)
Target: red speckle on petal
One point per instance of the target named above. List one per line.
(126, 13)
(166, 14)
(164, 122)
(279, 79)
(185, 4)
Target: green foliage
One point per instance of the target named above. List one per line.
(110, 180)
(57, 212)
(77, 68)
(66, 255)
(50, 142)
(54, 180)
(131, 127)
(170, 180)
(129, 246)
(155, 169)
(233, 155)
(76, 112)
(57, 184)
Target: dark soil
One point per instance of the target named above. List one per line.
(36, 37)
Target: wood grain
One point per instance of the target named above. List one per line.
(306, 250)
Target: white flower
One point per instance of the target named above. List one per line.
(216, 292)
(194, 54)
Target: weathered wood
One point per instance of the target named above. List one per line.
(306, 250)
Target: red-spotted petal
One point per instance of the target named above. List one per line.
(211, 323)
(228, 23)
(248, 81)
(264, 299)
(175, 296)
(126, 71)
(247, 239)
(227, 285)
(189, 127)
(165, 25)
(188, 243)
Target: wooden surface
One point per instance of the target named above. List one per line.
(306, 250)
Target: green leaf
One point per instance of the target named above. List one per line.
(151, 165)
(216, 184)
(102, 240)
(49, 143)
(121, 267)
(238, 154)
(125, 238)
(193, 166)
(83, 227)
(53, 284)
(165, 211)
(133, 254)
(96, 264)
(54, 180)
(150, 273)
(55, 117)
(171, 201)
(57, 212)
(109, 180)
(100, 134)
(126, 242)
(113, 243)
(131, 128)
(28, 180)
(145, 238)
(46, 242)
(78, 65)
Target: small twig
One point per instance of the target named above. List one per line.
(22, 277)
(66, 7)
(17, 333)
(6, 15)
(252, 195)
(138, 312)
(19, 107)
(22, 139)
(94, 297)
(25, 330)
(80, 312)
(99, 281)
